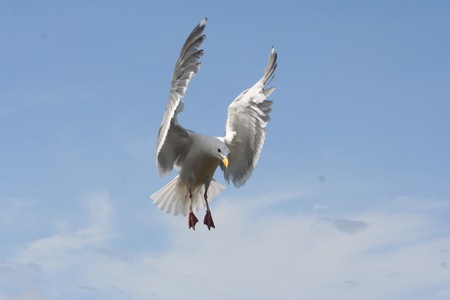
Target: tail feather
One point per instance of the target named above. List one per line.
(173, 198)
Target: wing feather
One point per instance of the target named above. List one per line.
(245, 129)
(172, 137)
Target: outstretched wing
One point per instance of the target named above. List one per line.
(245, 130)
(172, 137)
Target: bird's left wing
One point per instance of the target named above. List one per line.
(245, 130)
(172, 137)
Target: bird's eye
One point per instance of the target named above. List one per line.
(219, 150)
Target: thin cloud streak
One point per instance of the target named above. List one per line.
(20, 100)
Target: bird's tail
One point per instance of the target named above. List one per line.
(173, 197)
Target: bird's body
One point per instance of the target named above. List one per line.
(198, 155)
(199, 165)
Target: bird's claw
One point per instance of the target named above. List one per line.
(192, 220)
(208, 221)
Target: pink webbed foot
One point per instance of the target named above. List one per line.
(192, 220)
(208, 221)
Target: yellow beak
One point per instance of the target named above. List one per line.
(225, 161)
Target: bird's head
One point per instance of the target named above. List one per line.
(223, 155)
(221, 152)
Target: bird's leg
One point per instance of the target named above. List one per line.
(208, 221)
(192, 218)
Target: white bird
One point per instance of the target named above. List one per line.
(196, 155)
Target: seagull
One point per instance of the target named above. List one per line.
(196, 155)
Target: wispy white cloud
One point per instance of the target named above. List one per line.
(20, 281)
(18, 274)
(57, 258)
(320, 206)
(96, 232)
(253, 254)
(303, 256)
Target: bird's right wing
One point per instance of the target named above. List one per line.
(245, 130)
(172, 137)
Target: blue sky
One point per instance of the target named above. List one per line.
(351, 195)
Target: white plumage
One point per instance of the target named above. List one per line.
(197, 155)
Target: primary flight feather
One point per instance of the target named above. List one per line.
(196, 155)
